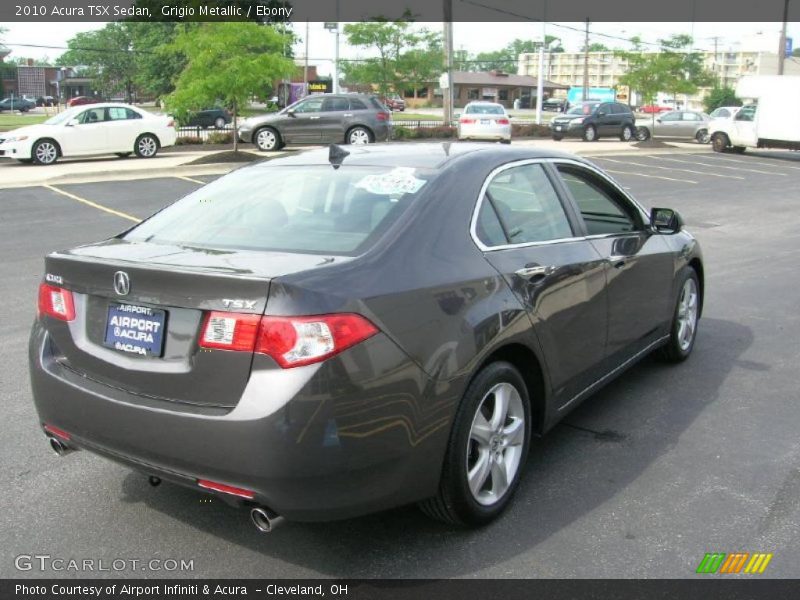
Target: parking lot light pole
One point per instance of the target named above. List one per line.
(782, 49)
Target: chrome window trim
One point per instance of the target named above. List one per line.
(473, 228)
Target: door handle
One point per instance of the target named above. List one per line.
(535, 271)
(347, 115)
(312, 118)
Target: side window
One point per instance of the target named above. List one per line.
(118, 113)
(93, 115)
(356, 104)
(602, 208)
(671, 116)
(335, 104)
(747, 113)
(132, 114)
(312, 105)
(520, 206)
(690, 116)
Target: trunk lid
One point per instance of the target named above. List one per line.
(172, 288)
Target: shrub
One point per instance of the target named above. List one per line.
(219, 137)
(529, 130)
(188, 140)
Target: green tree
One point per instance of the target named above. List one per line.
(417, 67)
(387, 39)
(721, 96)
(108, 55)
(596, 47)
(158, 62)
(507, 58)
(227, 62)
(796, 52)
(687, 71)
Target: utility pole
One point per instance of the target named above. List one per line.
(716, 64)
(336, 55)
(782, 49)
(540, 77)
(305, 67)
(586, 63)
(447, 94)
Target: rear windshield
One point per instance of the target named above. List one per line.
(485, 109)
(308, 209)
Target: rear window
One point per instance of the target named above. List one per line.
(585, 108)
(485, 109)
(314, 209)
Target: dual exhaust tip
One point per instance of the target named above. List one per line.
(264, 519)
(58, 446)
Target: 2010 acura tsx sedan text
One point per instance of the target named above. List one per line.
(339, 332)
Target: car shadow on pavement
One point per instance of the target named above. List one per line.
(600, 449)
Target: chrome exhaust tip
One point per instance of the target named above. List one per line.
(264, 519)
(58, 446)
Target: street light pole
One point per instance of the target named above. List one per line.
(782, 49)
(447, 94)
(336, 54)
(540, 77)
(586, 63)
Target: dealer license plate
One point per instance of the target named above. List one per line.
(135, 329)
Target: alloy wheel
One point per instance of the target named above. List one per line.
(46, 153)
(496, 441)
(359, 136)
(147, 147)
(687, 314)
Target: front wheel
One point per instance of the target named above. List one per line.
(590, 134)
(558, 138)
(146, 146)
(702, 137)
(219, 123)
(719, 142)
(642, 134)
(627, 134)
(487, 449)
(684, 320)
(359, 136)
(44, 152)
(267, 139)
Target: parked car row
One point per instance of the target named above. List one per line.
(18, 104)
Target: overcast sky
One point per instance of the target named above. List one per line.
(473, 37)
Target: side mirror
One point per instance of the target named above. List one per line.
(72, 123)
(666, 220)
(290, 112)
(601, 113)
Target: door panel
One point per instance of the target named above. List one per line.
(559, 279)
(303, 126)
(639, 265)
(90, 135)
(334, 112)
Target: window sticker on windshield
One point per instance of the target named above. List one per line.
(400, 180)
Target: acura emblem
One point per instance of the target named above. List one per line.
(122, 284)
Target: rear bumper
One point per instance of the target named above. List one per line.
(314, 443)
(477, 132)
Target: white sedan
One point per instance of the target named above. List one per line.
(484, 121)
(118, 129)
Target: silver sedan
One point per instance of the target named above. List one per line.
(686, 124)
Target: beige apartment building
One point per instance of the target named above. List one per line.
(605, 69)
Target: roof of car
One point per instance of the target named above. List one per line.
(422, 155)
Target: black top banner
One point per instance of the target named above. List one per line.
(417, 10)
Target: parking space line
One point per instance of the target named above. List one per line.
(625, 162)
(753, 162)
(694, 162)
(92, 204)
(190, 179)
(649, 176)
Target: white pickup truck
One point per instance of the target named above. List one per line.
(772, 120)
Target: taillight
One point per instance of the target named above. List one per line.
(502, 121)
(383, 116)
(290, 341)
(56, 302)
(466, 120)
(230, 331)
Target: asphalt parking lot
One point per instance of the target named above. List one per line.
(665, 464)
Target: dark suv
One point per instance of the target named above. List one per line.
(321, 119)
(592, 120)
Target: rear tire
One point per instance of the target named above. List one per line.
(627, 134)
(642, 134)
(685, 318)
(219, 123)
(359, 136)
(146, 146)
(590, 134)
(558, 138)
(505, 141)
(487, 450)
(702, 137)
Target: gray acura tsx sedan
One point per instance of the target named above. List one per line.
(338, 332)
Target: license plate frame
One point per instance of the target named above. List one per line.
(135, 336)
